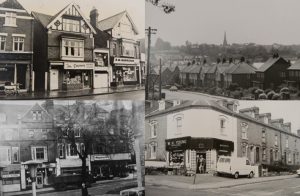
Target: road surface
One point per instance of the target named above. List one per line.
(286, 187)
(134, 95)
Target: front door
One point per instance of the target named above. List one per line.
(39, 180)
(53, 79)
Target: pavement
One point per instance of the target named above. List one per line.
(72, 94)
(207, 181)
(98, 184)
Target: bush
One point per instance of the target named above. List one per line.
(252, 90)
(270, 94)
(262, 96)
(276, 96)
(237, 94)
(268, 90)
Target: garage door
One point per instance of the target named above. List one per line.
(100, 80)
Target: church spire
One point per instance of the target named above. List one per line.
(225, 40)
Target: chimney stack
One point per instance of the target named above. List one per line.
(94, 17)
(277, 122)
(287, 127)
(265, 118)
(161, 105)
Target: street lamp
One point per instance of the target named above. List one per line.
(1, 188)
(32, 166)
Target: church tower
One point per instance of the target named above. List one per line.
(225, 44)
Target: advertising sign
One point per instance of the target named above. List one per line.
(79, 65)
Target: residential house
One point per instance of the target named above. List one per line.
(241, 73)
(294, 74)
(16, 46)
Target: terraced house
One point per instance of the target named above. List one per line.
(16, 46)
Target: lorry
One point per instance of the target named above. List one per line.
(235, 166)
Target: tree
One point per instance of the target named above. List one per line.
(166, 7)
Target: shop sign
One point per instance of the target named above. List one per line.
(78, 65)
(10, 175)
(100, 157)
(176, 144)
(125, 61)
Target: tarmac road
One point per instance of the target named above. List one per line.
(284, 187)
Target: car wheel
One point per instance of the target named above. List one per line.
(251, 175)
(236, 175)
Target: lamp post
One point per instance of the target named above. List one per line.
(32, 166)
(1, 187)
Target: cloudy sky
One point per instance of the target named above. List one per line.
(106, 8)
(288, 110)
(204, 21)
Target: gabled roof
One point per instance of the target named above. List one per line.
(205, 68)
(12, 4)
(212, 69)
(195, 69)
(242, 68)
(295, 66)
(187, 69)
(269, 63)
(47, 21)
(112, 21)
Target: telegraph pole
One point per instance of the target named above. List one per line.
(159, 79)
(149, 31)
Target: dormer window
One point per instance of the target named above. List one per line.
(71, 25)
(10, 19)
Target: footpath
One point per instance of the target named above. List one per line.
(51, 189)
(73, 93)
(207, 181)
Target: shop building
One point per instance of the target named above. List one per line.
(187, 135)
(124, 48)
(16, 46)
(63, 48)
(27, 133)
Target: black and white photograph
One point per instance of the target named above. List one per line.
(222, 147)
(246, 50)
(67, 49)
(72, 148)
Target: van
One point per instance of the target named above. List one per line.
(235, 166)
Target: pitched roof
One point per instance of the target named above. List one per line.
(112, 21)
(212, 69)
(242, 68)
(12, 4)
(44, 19)
(271, 61)
(295, 66)
(195, 69)
(12, 111)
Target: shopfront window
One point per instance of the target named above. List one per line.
(101, 59)
(18, 43)
(129, 74)
(5, 154)
(2, 43)
(10, 177)
(72, 48)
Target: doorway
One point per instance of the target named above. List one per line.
(200, 161)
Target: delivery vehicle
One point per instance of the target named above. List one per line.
(235, 166)
(133, 192)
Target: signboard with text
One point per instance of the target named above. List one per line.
(126, 61)
(79, 65)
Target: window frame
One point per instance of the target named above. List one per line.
(2, 41)
(10, 19)
(18, 40)
(69, 46)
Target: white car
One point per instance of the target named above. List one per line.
(298, 172)
(133, 192)
(235, 166)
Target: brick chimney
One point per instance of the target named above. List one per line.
(287, 127)
(161, 105)
(94, 17)
(277, 122)
(265, 118)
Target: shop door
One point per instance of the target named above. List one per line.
(100, 80)
(39, 180)
(21, 75)
(53, 79)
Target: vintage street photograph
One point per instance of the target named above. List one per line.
(246, 50)
(222, 147)
(72, 148)
(67, 49)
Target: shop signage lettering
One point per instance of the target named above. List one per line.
(101, 157)
(3, 69)
(126, 61)
(78, 65)
(10, 175)
(224, 145)
(176, 143)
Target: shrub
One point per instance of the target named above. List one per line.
(270, 94)
(276, 96)
(252, 90)
(233, 86)
(262, 96)
(237, 94)
(268, 90)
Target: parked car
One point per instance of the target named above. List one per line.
(235, 166)
(298, 172)
(133, 192)
(65, 181)
(173, 88)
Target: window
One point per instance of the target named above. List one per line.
(114, 49)
(71, 25)
(77, 132)
(10, 19)
(61, 150)
(289, 157)
(276, 155)
(179, 123)
(39, 153)
(153, 130)
(264, 155)
(18, 43)
(5, 154)
(72, 48)
(71, 151)
(222, 123)
(30, 133)
(287, 142)
(37, 115)
(244, 130)
(82, 148)
(15, 154)
(263, 136)
(276, 140)
(2, 43)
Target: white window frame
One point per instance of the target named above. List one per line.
(71, 25)
(286, 142)
(7, 151)
(153, 151)
(244, 132)
(18, 40)
(10, 19)
(33, 153)
(68, 154)
(153, 129)
(2, 40)
(276, 140)
(68, 45)
(12, 154)
(61, 150)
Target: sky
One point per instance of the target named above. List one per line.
(245, 21)
(288, 110)
(106, 8)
